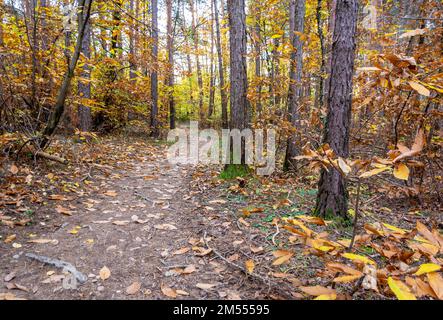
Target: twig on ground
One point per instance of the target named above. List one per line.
(267, 281)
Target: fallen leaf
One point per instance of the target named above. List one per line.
(105, 273)
(282, 257)
(427, 268)
(401, 291)
(13, 169)
(420, 88)
(133, 288)
(165, 226)
(205, 286)
(121, 222)
(250, 265)
(317, 290)
(436, 282)
(111, 193)
(356, 257)
(171, 293)
(181, 251)
(62, 210)
(10, 238)
(401, 171)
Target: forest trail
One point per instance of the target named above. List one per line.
(147, 232)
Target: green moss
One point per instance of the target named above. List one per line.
(234, 171)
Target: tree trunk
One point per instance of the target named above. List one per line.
(132, 59)
(199, 72)
(238, 75)
(154, 73)
(297, 10)
(332, 196)
(211, 66)
(257, 49)
(84, 89)
(54, 119)
(170, 49)
(224, 98)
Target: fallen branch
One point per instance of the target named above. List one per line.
(51, 157)
(267, 281)
(66, 266)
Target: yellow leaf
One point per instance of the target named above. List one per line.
(373, 172)
(420, 88)
(395, 229)
(326, 297)
(401, 172)
(401, 291)
(250, 266)
(427, 268)
(357, 257)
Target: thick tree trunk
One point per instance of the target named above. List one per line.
(84, 88)
(332, 196)
(297, 10)
(239, 81)
(154, 74)
(54, 119)
(224, 98)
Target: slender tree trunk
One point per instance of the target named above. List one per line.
(84, 88)
(211, 66)
(154, 74)
(199, 72)
(238, 75)
(132, 59)
(257, 49)
(297, 10)
(224, 98)
(83, 17)
(332, 196)
(170, 49)
(321, 80)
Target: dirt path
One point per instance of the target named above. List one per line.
(145, 227)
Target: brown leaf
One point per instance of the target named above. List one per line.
(13, 169)
(133, 288)
(171, 293)
(317, 290)
(436, 282)
(181, 251)
(111, 193)
(105, 273)
(62, 210)
(206, 286)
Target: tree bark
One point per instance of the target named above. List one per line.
(54, 119)
(238, 76)
(199, 72)
(297, 10)
(224, 98)
(170, 49)
(332, 198)
(211, 66)
(154, 73)
(84, 88)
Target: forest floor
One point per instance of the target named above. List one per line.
(140, 228)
